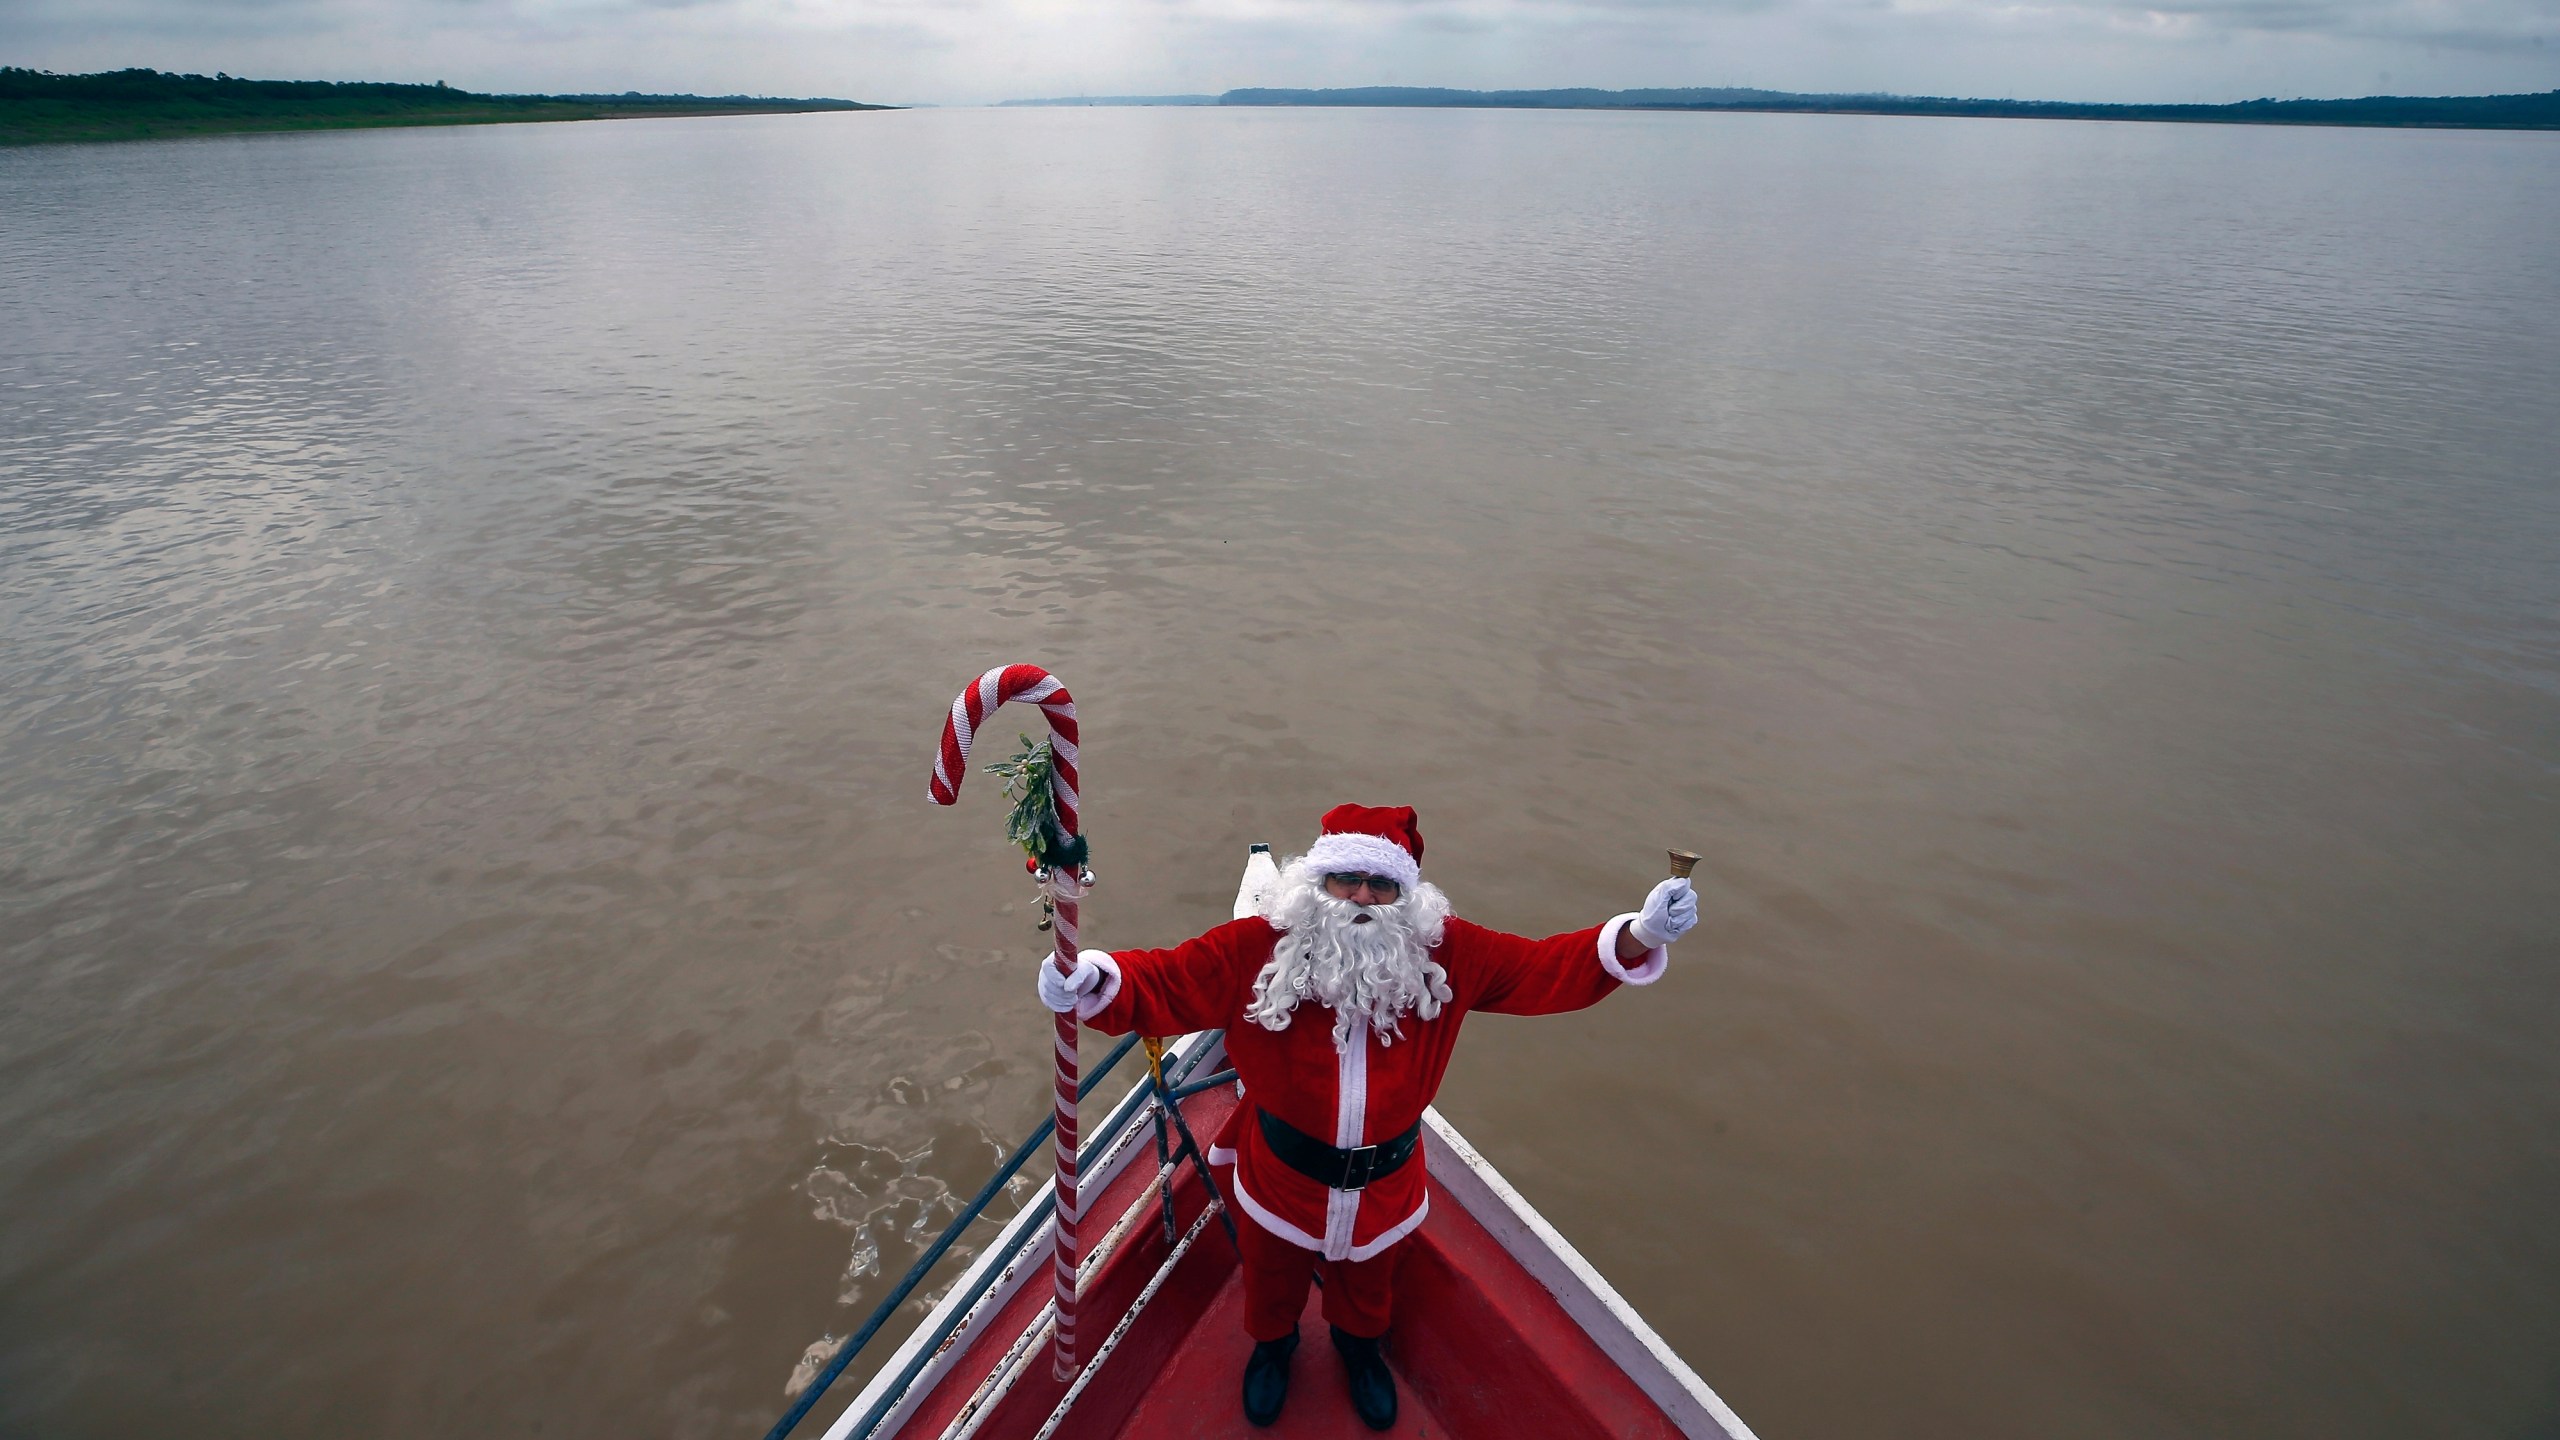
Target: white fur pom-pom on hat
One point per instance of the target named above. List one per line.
(1370, 840)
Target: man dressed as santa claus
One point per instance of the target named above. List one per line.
(1341, 1011)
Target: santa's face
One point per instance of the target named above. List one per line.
(1354, 950)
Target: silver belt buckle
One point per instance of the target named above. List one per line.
(1359, 1167)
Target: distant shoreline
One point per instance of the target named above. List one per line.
(37, 107)
(2443, 112)
(2449, 112)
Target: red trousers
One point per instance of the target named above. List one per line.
(1359, 1295)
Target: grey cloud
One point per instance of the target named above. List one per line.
(2484, 24)
(1671, 9)
(2505, 28)
(2277, 15)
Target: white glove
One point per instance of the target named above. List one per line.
(1061, 992)
(1668, 914)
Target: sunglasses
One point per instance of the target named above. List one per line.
(1379, 885)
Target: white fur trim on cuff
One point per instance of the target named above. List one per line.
(1644, 972)
(1100, 997)
(1368, 854)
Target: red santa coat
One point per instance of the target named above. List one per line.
(1364, 1093)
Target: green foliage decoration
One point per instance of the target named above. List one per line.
(1029, 778)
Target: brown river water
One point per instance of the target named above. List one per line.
(476, 607)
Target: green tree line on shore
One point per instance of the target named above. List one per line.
(37, 105)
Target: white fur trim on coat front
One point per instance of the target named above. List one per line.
(1366, 854)
(1645, 971)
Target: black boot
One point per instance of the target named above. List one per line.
(1266, 1378)
(1373, 1390)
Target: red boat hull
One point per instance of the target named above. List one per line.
(1482, 1345)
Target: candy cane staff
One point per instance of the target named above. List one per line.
(1341, 1003)
(1054, 838)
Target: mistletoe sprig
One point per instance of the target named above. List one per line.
(1029, 779)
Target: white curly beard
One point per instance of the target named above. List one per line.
(1356, 960)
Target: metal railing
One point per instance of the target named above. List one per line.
(995, 1266)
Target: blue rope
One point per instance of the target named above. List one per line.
(942, 1243)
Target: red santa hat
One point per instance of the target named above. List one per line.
(1370, 840)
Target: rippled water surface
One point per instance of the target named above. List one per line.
(475, 608)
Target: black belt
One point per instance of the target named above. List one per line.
(1330, 1165)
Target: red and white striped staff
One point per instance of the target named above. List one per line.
(1035, 686)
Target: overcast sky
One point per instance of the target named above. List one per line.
(964, 51)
